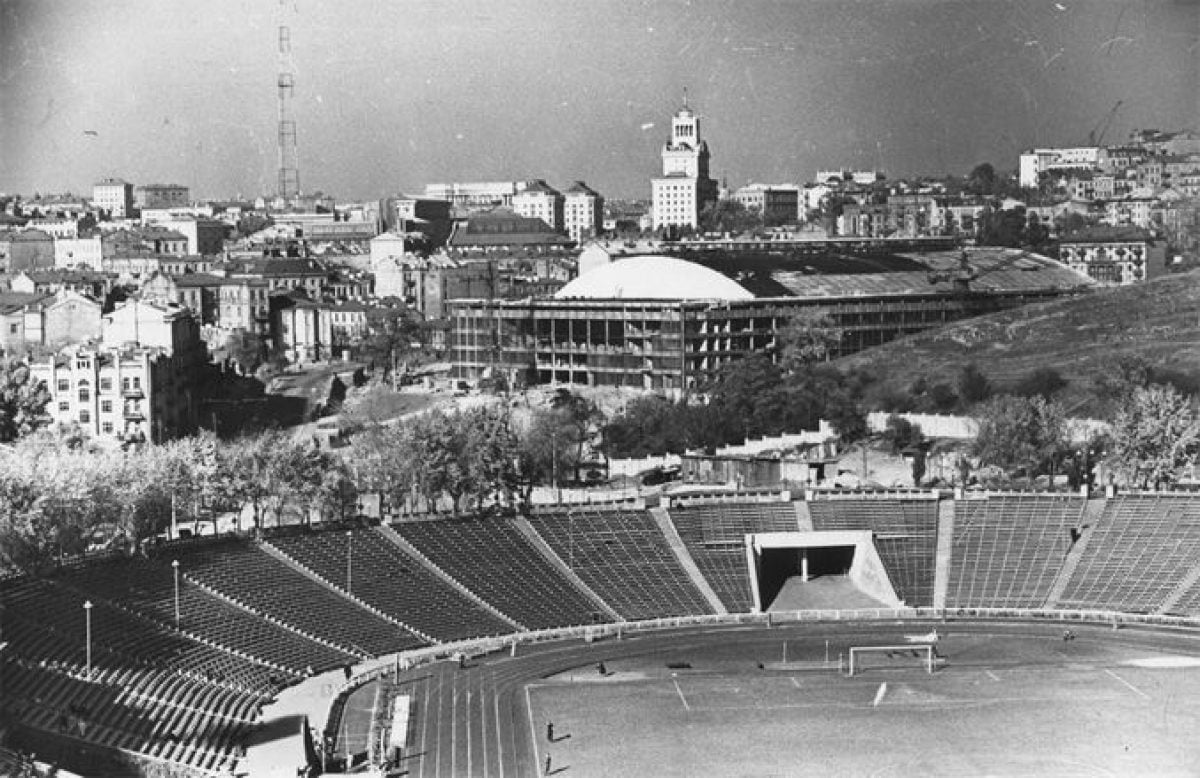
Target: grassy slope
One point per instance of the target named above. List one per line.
(1080, 337)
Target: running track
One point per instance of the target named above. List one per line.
(476, 721)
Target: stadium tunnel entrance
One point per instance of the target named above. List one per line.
(824, 570)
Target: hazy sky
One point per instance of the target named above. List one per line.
(393, 95)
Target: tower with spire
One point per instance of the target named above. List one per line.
(685, 188)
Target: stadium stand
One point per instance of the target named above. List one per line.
(623, 557)
(253, 622)
(905, 535)
(146, 587)
(714, 535)
(253, 578)
(1139, 552)
(151, 692)
(387, 578)
(1007, 550)
(493, 559)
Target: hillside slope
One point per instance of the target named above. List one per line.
(1081, 337)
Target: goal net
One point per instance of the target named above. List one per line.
(863, 658)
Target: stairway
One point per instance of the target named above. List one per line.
(663, 519)
(945, 550)
(1091, 516)
(531, 534)
(803, 517)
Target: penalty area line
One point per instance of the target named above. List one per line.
(682, 699)
(1128, 685)
(879, 695)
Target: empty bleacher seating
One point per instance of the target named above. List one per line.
(386, 577)
(148, 588)
(622, 555)
(494, 560)
(250, 576)
(1007, 551)
(1139, 551)
(905, 536)
(714, 534)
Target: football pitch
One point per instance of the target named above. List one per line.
(1002, 704)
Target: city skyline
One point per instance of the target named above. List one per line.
(391, 97)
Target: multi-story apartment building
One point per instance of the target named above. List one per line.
(685, 188)
(1037, 161)
(137, 383)
(776, 204)
(114, 197)
(539, 200)
(583, 212)
(1115, 257)
(161, 196)
(311, 331)
(476, 195)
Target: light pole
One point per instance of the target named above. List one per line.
(571, 538)
(175, 569)
(349, 562)
(87, 616)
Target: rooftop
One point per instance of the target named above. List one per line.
(654, 277)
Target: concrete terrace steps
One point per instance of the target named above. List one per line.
(356, 650)
(1092, 512)
(398, 540)
(945, 546)
(276, 621)
(538, 542)
(667, 527)
(1180, 590)
(804, 520)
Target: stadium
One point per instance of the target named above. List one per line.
(670, 323)
(711, 633)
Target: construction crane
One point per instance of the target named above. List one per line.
(1096, 136)
(965, 274)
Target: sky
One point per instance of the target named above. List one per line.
(393, 95)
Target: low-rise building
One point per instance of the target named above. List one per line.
(1114, 257)
(30, 250)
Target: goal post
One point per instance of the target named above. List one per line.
(890, 657)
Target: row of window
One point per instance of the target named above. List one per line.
(106, 385)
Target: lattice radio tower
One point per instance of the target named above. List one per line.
(289, 163)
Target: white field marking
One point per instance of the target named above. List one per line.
(537, 757)
(682, 699)
(879, 694)
(1165, 662)
(795, 682)
(785, 652)
(1128, 685)
(468, 711)
(453, 724)
(496, 712)
(992, 675)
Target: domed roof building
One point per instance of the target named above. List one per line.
(653, 277)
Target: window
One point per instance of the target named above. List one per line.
(107, 428)
(64, 385)
(106, 384)
(64, 405)
(85, 416)
(13, 329)
(106, 406)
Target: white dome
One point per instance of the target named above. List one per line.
(654, 278)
